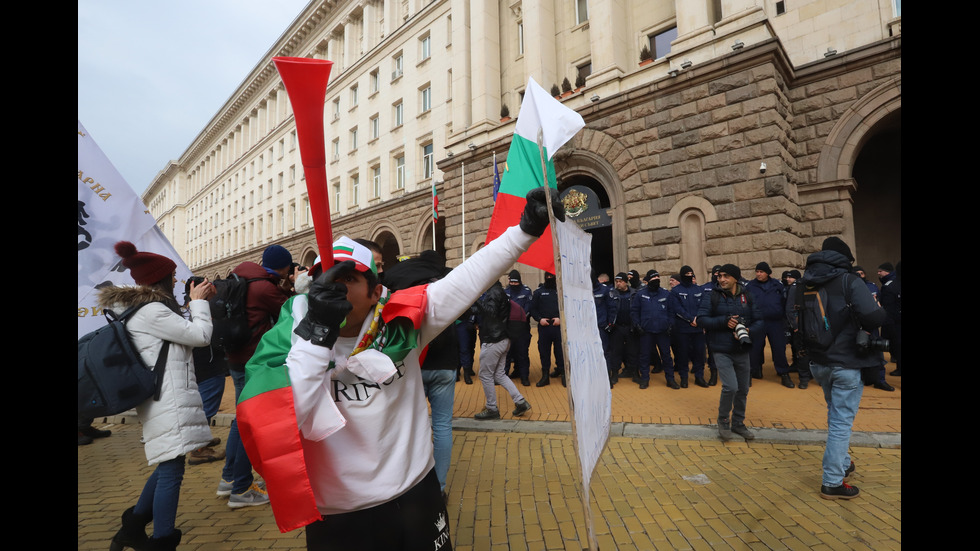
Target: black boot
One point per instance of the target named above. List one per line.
(713, 379)
(468, 375)
(166, 543)
(133, 531)
(545, 380)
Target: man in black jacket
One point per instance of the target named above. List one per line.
(728, 314)
(851, 312)
(493, 311)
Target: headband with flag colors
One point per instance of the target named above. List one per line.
(346, 248)
(540, 112)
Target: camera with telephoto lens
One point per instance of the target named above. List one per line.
(742, 334)
(866, 342)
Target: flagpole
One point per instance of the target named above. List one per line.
(435, 213)
(462, 193)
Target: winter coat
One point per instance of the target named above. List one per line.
(174, 425)
(768, 297)
(653, 311)
(493, 310)
(688, 300)
(713, 316)
(262, 304)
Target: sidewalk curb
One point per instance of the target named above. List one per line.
(891, 440)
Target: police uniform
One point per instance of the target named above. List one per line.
(544, 305)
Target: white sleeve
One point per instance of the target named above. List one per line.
(316, 412)
(449, 297)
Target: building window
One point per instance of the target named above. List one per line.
(427, 161)
(397, 67)
(375, 127)
(520, 38)
(581, 11)
(292, 175)
(336, 197)
(780, 8)
(292, 140)
(335, 149)
(660, 42)
(355, 189)
(400, 172)
(353, 96)
(282, 147)
(425, 47)
(584, 70)
(353, 138)
(425, 98)
(281, 178)
(398, 114)
(336, 109)
(375, 81)
(376, 181)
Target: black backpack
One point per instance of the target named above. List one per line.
(112, 377)
(817, 327)
(228, 313)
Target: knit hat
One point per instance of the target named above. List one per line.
(887, 266)
(514, 276)
(731, 270)
(795, 274)
(346, 248)
(276, 257)
(623, 276)
(836, 244)
(764, 267)
(651, 273)
(145, 268)
(685, 269)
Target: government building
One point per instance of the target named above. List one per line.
(716, 131)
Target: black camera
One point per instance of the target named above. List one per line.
(866, 342)
(196, 280)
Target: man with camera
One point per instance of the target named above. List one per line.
(849, 313)
(728, 314)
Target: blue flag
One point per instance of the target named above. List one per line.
(496, 179)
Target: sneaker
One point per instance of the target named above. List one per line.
(224, 487)
(848, 471)
(205, 455)
(725, 430)
(253, 496)
(844, 491)
(487, 414)
(520, 408)
(743, 431)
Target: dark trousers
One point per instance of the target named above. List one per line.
(622, 348)
(518, 355)
(690, 350)
(549, 337)
(654, 343)
(415, 521)
(775, 331)
(466, 333)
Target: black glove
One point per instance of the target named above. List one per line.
(535, 217)
(328, 307)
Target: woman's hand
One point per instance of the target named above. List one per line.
(203, 291)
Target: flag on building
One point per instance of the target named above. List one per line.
(110, 211)
(540, 112)
(435, 203)
(496, 178)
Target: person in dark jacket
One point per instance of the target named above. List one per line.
(838, 368)
(652, 312)
(493, 313)
(520, 339)
(891, 301)
(768, 295)
(619, 325)
(600, 293)
(727, 309)
(544, 310)
(265, 296)
(706, 291)
(690, 335)
(874, 375)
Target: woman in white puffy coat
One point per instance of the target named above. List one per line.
(175, 424)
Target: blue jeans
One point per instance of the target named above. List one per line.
(440, 386)
(237, 469)
(160, 495)
(842, 388)
(212, 390)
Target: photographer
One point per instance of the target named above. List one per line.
(728, 314)
(851, 313)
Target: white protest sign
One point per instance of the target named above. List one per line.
(590, 398)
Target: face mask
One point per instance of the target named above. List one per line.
(549, 282)
(653, 284)
(687, 279)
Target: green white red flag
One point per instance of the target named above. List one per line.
(540, 112)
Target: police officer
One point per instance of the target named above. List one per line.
(600, 293)
(544, 310)
(689, 335)
(622, 344)
(653, 313)
(891, 301)
(706, 292)
(874, 375)
(521, 341)
(768, 296)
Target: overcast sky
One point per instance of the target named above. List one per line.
(152, 74)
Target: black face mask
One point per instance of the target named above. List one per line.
(687, 279)
(550, 283)
(653, 284)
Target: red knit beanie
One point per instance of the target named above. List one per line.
(145, 268)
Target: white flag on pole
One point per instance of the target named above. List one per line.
(110, 211)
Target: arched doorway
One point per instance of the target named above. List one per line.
(389, 247)
(602, 236)
(878, 195)
(440, 239)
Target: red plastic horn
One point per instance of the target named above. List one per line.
(306, 85)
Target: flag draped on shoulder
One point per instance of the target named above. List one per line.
(540, 114)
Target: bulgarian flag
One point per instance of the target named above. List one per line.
(540, 114)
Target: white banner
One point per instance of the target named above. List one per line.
(110, 211)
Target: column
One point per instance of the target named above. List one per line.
(462, 117)
(485, 61)
(540, 59)
(609, 37)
